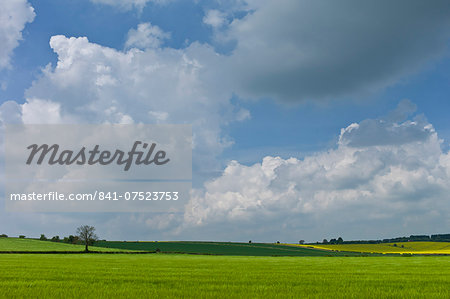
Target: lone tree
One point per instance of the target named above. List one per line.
(87, 235)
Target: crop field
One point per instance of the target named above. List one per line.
(16, 244)
(400, 247)
(222, 248)
(193, 276)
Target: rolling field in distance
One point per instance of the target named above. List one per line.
(231, 248)
(400, 247)
(222, 248)
(192, 276)
(16, 244)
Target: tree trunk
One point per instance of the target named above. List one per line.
(86, 248)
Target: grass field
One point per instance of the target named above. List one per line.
(161, 275)
(408, 247)
(222, 248)
(16, 244)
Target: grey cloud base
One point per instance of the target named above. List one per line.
(315, 50)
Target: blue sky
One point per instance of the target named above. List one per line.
(263, 79)
(273, 128)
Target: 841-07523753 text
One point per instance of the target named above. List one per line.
(97, 195)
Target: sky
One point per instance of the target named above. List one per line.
(311, 119)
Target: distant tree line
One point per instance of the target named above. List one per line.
(434, 238)
(6, 236)
(412, 238)
(69, 240)
(333, 241)
(85, 236)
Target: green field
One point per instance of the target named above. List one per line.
(161, 275)
(16, 244)
(258, 272)
(399, 247)
(210, 248)
(222, 248)
(230, 248)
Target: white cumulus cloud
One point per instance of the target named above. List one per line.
(145, 36)
(14, 15)
(96, 84)
(398, 182)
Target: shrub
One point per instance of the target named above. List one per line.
(3, 236)
(43, 237)
(71, 239)
(21, 237)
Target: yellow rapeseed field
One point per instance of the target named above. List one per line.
(400, 247)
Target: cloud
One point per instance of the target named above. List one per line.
(14, 15)
(10, 113)
(36, 111)
(97, 84)
(396, 183)
(129, 4)
(314, 50)
(214, 18)
(146, 36)
(301, 50)
(388, 131)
